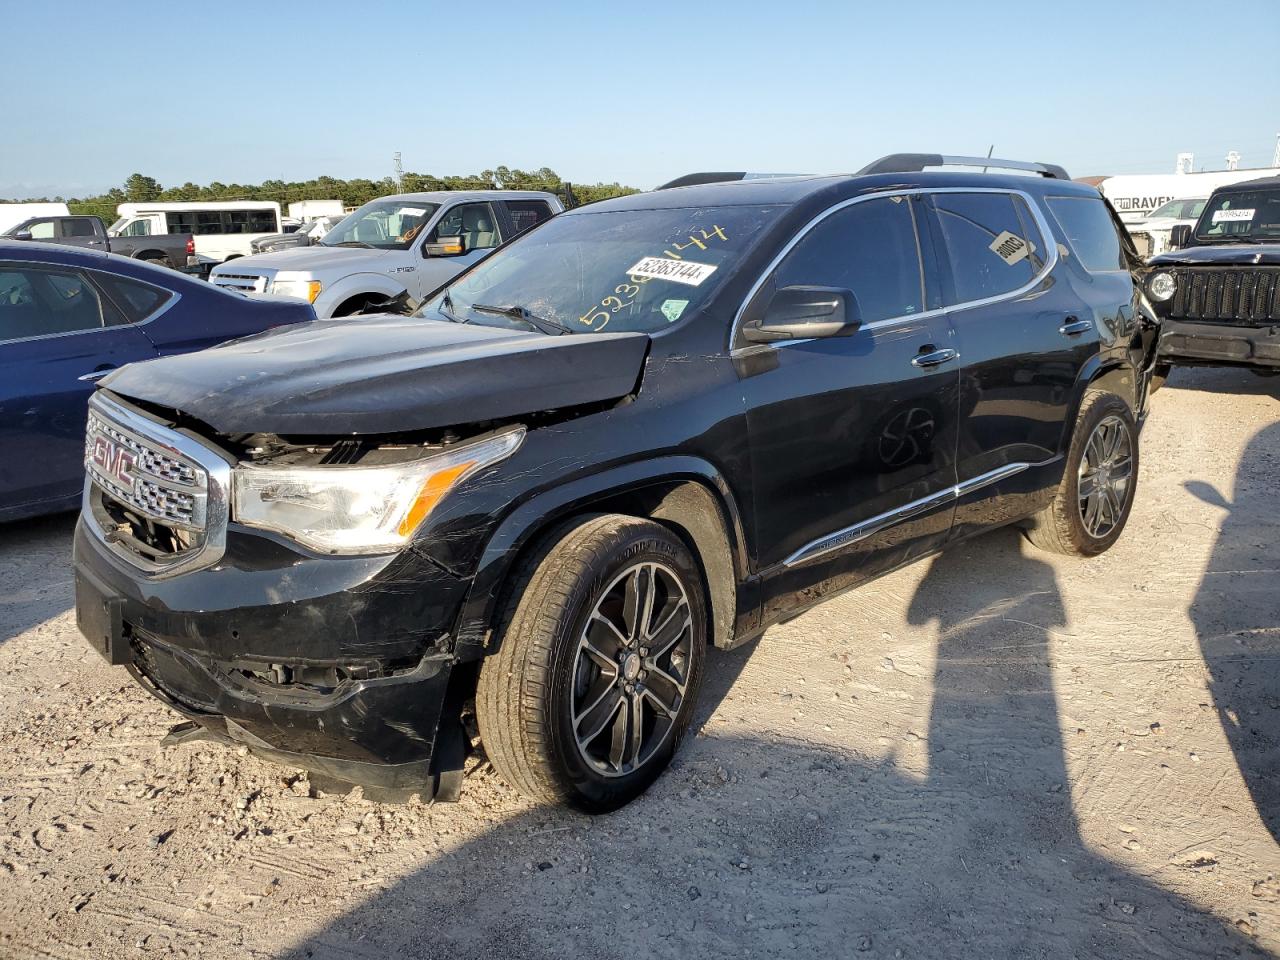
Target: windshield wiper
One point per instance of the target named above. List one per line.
(350, 243)
(543, 324)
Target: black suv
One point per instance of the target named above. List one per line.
(648, 425)
(1218, 294)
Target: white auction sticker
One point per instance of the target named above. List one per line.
(412, 211)
(1011, 248)
(1233, 216)
(679, 271)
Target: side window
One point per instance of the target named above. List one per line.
(473, 222)
(139, 228)
(35, 303)
(208, 224)
(527, 213)
(137, 300)
(870, 248)
(42, 230)
(991, 245)
(77, 227)
(262, 221)
(1090, 231)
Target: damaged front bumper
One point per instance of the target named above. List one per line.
(338, 665)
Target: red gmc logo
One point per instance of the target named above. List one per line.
(113, 461)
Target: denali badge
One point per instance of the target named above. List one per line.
(113, 461)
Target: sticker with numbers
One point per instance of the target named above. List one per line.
(1233, 216)
(1011, 248)
(677, 271)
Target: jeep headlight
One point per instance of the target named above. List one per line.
(354, 509)
(306, 290)
(1162, 286)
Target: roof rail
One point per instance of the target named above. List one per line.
(694, 179)
(915, 162)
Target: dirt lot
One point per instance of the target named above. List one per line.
(996, 753)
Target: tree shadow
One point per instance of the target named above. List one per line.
(35, 572)
(1236, 381)
(767, 846)
(1234, 613)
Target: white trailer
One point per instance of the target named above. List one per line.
(12, 214)
(308, 210)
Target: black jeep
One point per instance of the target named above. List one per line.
(1218, 294)
(648, 425)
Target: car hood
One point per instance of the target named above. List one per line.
(305, 259)
(384, 374)
(1224, 254)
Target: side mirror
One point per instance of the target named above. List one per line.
(22, 235)
(444, 247)
(1179, 236)
(801, 312)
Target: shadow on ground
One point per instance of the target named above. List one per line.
(1230, 381)
(768, 846)
(35, 572)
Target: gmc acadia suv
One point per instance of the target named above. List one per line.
(645, 426)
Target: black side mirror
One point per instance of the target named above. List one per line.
(22, 235)
(444, 247)
(1179, 236)
(801, 312)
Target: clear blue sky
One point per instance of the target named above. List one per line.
(637, 92)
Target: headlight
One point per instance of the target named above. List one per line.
(359, 509)
(306, 290)
(1162, 286)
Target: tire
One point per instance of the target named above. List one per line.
(542, 676)
(1086, 527)
(1159, 376)
(158, 261)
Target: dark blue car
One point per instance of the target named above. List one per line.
(67, 318)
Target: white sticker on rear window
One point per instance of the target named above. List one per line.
(678, 271)
(412, 211)
(1233, 216)
(1011, 248)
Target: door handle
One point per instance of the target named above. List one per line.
(936, 358)
(95, 376)
(1074, 327)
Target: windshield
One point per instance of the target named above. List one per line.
(1241, 215)
(587, 272)
(383, 224)
(1180, 209)
(115, 227)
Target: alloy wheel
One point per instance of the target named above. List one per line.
(1106, 473)
(631, 669)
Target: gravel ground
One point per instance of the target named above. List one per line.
(994, 753)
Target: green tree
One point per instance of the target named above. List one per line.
(141, 188)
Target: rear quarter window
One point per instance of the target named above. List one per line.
(1091, 232)
(991, 242)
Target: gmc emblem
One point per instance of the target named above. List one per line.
(113, 461)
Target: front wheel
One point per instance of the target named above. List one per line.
(599, 664)
(1093, 500)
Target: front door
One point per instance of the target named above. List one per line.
(852, 438)
(57, 336)
(476, 224)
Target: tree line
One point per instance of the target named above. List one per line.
(142, 188)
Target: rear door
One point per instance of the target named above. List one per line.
(58, 335)
(852, 438)
(80, 232)
(1023, 339)
(524, 215)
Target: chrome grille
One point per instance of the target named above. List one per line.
(244, 282)
(1249, 295)
(154, 496)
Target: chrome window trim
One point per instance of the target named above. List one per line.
(217, 491)
(174, 297)
(1041, 222)
(847, 536)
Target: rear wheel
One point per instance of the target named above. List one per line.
(599, 664)
(1093, 500)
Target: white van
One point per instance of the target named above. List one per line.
(223, 229)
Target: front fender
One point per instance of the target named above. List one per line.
(333, 296)
(522, 526)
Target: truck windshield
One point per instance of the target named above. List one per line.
(382, 224)
(637, 270)
(1241, 216)
(1179, 209)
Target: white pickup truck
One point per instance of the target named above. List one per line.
(409, 243)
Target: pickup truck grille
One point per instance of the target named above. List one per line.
(1243, 295)
(153, 496)
(244, 282)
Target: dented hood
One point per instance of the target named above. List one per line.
(384, 374)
